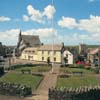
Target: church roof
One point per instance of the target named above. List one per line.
(31, 40)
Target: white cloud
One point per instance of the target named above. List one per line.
(9, 36)
(67, 22)
(91, 25)
(49, 11)
(3, 18)
(34, 14)
(25, 18)
(39, 16)
(42, 32)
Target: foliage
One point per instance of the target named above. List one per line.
(80, 66)
(35, 69)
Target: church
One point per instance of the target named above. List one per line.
(25, 41)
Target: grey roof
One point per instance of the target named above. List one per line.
(32, 40)
(49, 47)
(94, 50)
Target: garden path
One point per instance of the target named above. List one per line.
(49, 81)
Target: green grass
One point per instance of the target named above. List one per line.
(25, 79)
(70, 70)
(77, 81)
(35, 69)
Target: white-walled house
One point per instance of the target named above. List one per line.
(68, 56)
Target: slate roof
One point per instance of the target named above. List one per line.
(31, 40)
(94, 51)
(49, 47)
(30, 48)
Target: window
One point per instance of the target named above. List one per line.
(33, 51)
(42, 58)
(42, 52)
(48, 52)
(66, 60)
(66, 55)
(97, 54)
(54, 58)
(54, 52)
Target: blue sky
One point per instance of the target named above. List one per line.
(75, 21)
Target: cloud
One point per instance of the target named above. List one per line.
(34, 14)
(67, 22)
(9, 36)
(49, 11)
(25, 18)
(3, 18)
(39, 16)
(91, 25)
(42, 32)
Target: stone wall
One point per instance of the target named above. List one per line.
(82, 93)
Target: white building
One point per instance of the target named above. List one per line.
(69, 57)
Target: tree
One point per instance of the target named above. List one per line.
(48, 60)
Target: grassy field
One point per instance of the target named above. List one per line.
(35, 69)
(70, 70)
(26, 79)
(77, 81)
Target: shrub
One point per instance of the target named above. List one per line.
(80, 66)
(88, 67)
(97, 70)
(1, 71)
(72, 66)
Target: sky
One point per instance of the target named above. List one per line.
(74, 21)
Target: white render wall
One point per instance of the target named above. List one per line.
(70, 57)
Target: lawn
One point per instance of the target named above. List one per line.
(26, 79)
(76, 81)
(70, 70)
(35, 69)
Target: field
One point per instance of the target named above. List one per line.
(26, 79)
(75, 80)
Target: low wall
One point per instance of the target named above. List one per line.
(82, 93)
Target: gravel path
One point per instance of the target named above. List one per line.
(49, 81)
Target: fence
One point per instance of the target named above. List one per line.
(82, 93)
(13, 89)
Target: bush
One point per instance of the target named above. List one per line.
(19, 66)
(97, 70)
(1, 71)
(80, 66)
(88, 68)
(72, 66)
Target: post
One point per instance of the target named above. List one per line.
(52, 43)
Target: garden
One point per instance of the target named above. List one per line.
(78, 76)
(15, 75)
